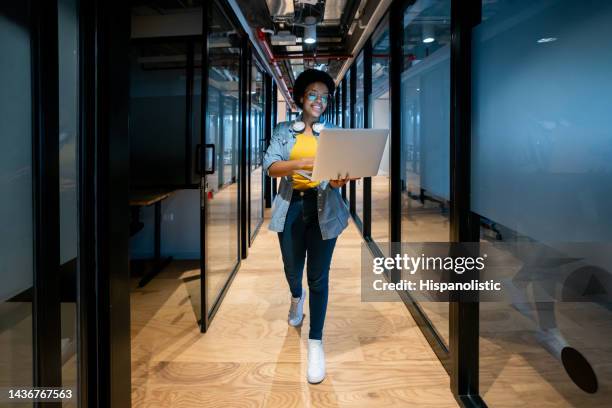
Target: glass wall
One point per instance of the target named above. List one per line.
(158, 83)
(425, 173)
(541, 172)
(359, 123)
(256, 136)
(16, 205)
(339, 113)
(222, 211)
(380, 118)
(68, 40)
(347, 111)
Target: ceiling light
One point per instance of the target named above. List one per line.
(310, 30)
(428, 34)
(547, 40)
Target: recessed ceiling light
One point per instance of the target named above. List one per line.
(428, 40)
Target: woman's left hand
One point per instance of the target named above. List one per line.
(339, 182)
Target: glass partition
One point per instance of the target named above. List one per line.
(68, 40)
(158, 90)
(16, 206)
(359, 123)
(338, 113)
(425, 173)
(380, 118)
(256, 136)
(222, 121)
(541, 172)
(347, 112)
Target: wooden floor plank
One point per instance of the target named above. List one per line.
(250, 357)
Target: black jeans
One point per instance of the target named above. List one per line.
(301, 236)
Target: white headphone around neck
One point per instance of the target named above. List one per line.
(298, 126)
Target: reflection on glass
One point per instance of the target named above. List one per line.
(68, 121)
(380, 116)
(426, 134)
(256, 135)
(541, 171)
(347, 112)
(16, 224)
(222, 131)
(338, 113)
(157, 114)
(359, 123)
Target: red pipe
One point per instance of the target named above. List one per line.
(314, 57)
(261, 36)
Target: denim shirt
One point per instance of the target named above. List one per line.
(333, 212)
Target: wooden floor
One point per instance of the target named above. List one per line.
(376, 355)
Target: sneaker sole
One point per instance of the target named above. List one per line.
(316, 382)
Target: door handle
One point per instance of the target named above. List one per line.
(214, 158)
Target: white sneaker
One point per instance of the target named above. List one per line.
(296, 312)
(316, 361)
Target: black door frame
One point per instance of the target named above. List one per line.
(255, 63)
(46, 312)
(269, 121)
(464, 225)
(351, 106)
(241, 246)
(103, 260)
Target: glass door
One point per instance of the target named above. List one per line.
(256, 136)
(425, 106)
(220, 149)
(17, 204)
(68, 51)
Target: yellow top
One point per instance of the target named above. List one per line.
(305, 146)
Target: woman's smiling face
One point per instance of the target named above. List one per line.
(314, 100)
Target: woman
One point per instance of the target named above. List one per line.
(307, 215)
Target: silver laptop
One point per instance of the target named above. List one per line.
(352, 152)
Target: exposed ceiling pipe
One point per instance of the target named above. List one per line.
(313, 57)
(258, 47)
(381, 7)
(261, 37)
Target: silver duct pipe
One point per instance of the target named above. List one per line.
(377, 15)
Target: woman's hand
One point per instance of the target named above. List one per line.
(339, 182)
(284, 168)
(305, 164)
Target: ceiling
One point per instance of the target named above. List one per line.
(282, 21)
(340, 25)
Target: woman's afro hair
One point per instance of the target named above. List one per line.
(306, 78)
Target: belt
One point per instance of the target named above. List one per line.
(301, 194)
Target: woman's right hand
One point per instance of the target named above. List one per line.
(284, 168)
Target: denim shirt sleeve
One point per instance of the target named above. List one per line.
(277, 150)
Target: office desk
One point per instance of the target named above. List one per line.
(145, 198)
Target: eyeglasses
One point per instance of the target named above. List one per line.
(313, 95)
